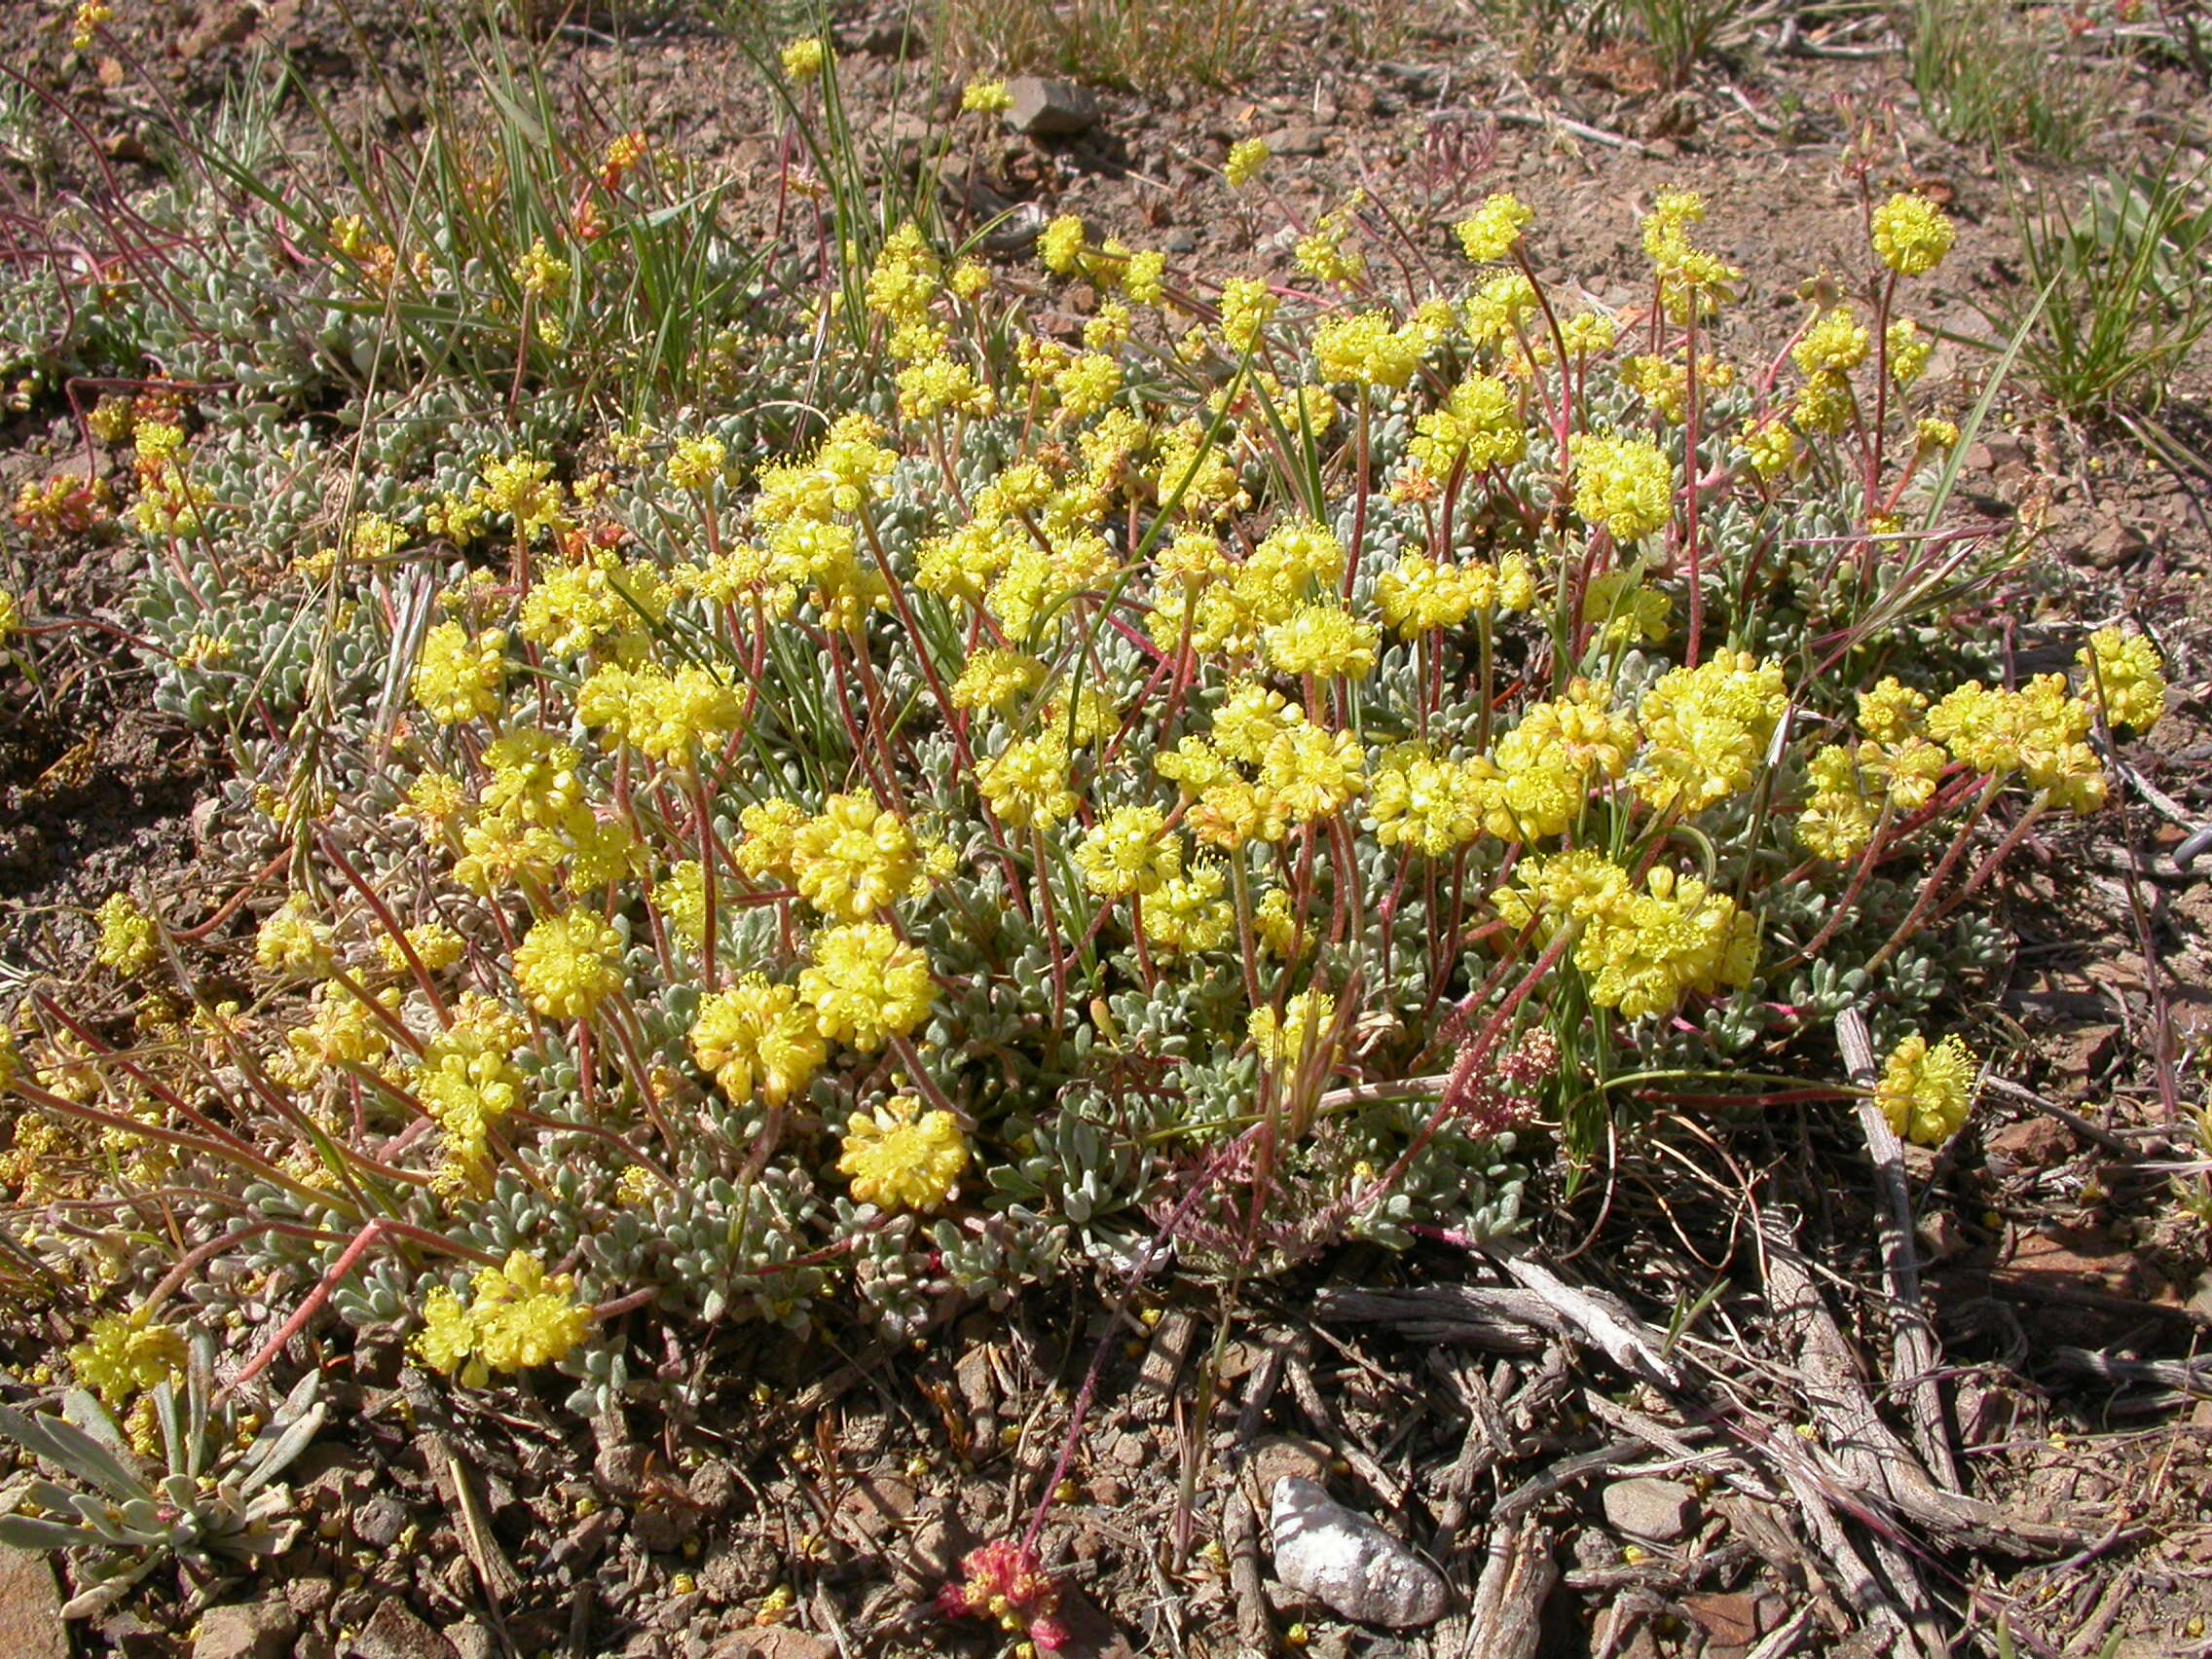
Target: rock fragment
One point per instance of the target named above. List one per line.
(1649, 1508)
(1348, 1564)
(258, 1630)
(1050, 109)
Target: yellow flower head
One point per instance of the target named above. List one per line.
(866, 986)
(1911, 235)
(856, 858)
(1709, 727)
(1128, 852)
(899, 1161)
(1059, 244)
(757, 1037)
(804, 59)
(1308, 774)
(1369, 348)
(1027, 782)
(1307, 1020)
(1925, 1092)
(126, 935)
(696, 461)
(1626, 485)
(1494, 230)
(567, 965)
(1324, 641)
(986, 97)
(516, 1317)
(1836, 343)
(122, 1355)
(2123, 669)
(460, 679)
(291, 939)
(1246, 305)
(1246, 157)
(1422, 803)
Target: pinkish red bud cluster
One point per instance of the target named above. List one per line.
(1005, 1581)
(1487, 1105)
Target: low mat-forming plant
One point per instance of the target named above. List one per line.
(1249, 776)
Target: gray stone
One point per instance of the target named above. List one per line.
(471, 1640)
(379, 1521)
(1301, 140)
(30, 1607)
(395, 1633)
(1050, 109)
(1650, 1508)
(772, 1642)
(253, 1630)
(1348, 1564)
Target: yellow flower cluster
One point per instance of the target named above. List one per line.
(1129, 852)
(2124, 670)
(458, 678)
(1643, 950)
(1246, 157)
(1624, 485)
(1423, 803)
(759, 1039)
(856, 858)
(1535, 781)
(126, 935)
(1925, 1092)
(1188, 914)
(1911, 235)
(292, 940)
(669, 718)
(1370, 349)
(1418, 594)
(468, 1082)
(517, 1317)
(1284, 1042)
(1623, 610)
(1835, 343)
(986, 97)
(1324, 641)
(1026, 783)
(866, 986)
(1219, 605)
(1246, 304)
(1479, 424)
(1495, 228)
(341, 1031)
(533, 820)
(574, 607)
(123, 1354)
(567, 965)
(1690, 280)
(696, 463)
(1707, 729)
(1323, 254)
(2038, 731)
(1895, 768)
(899, 1158)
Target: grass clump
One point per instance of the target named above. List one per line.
(1261, 774)
(1147, 44)
(1990, 73)
(2125, 299)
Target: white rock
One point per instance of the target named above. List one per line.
(1348, 1564)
